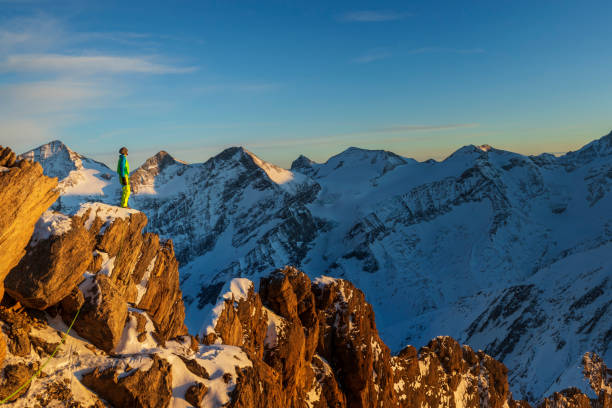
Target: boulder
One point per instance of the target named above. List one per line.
(14, 376)
(59, 253)
(136, 388)
(25, 193)
(103, 312)
(195, 394)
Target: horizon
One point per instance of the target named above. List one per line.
(137, 164)
(308, 78)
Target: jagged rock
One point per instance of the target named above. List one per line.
(195, 394)
(25, 193)
(118, 234)
(7, 157)
(58, 255)
(163, 299)
(195, 367)
(258, 386)
(330, 394)
(16, 327)
(150, 388)
(349, 341)
(103, 312)
(597, 373)
(568, 398)
(444, 373)
(241, 321)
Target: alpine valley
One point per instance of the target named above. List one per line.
(507, 253)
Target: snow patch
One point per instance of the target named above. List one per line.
(237, 289)
(142, 286)
(323, 280)
(107, 213)
(51, 223)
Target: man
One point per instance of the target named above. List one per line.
(123, 169)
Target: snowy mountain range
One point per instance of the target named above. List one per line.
(508, 253)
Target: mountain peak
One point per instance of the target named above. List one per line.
(160, 160)
(57, 159)
(302, 164)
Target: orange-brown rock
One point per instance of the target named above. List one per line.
(163, 299)
(349, 341)
(259, 386)
(25, 193)
(444, 373)
(150, 388)
(14, 376)
(103, 312)
(243, 323)
(568, 398)
(54, 264)
(195, 394)
(348, 365)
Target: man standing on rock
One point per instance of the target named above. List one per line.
(123, 169)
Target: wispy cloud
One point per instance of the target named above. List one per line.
(359, 136)
(59, 77)
(372, 55)
(373, 16)
(36, 98)
(415, 128)
(427, 50)
(87, 65)
(248, 87)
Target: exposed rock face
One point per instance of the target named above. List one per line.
(163, 297)
(143, 179)
(25, 193)
(444, 373)
(58, 255)
(322, 349)
(350, 343)
(103, 312)
(150, 388)
(125, 266)
(568, 398)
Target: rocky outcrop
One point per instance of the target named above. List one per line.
(102, 315)
(163, 298)
(25, 193)
(124, 267)
(138, 388)
(59, 253)
(321, 349)
(444, 373)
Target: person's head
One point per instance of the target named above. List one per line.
(123, 151)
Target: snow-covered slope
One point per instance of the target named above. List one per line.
(80, 178)
(488, 246)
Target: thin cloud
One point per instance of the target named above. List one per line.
(427, 50)
(415, 128)
(372, 16)
(36, 98)
(87, 65)
(255, 87)
(356, 136)
(371, 56)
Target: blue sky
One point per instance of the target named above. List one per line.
(284, 78)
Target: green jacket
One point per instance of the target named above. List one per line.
(123, 167)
